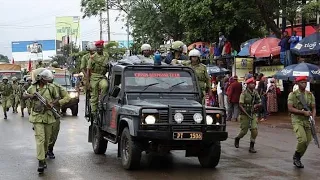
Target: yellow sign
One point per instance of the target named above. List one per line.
(68, 26)
(243, 66)
(269, 71)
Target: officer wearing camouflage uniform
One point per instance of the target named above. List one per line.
(6, 92)
(21, 90)
(249, 102)
(201, 73)
(15, 98)
(91, 48)
(40, 65)
(300, 117)
(65, 98)
(41, 117)
(26, 103)
(96, 72)
(55, 64)
(176, 52)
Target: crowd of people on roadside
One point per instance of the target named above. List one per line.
(227, 90)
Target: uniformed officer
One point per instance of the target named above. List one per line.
(249, 102)
(40, 65)
(65, 98)
(6, 92)
(26, 103)
(297, 100)
(41, 117)
(201, 72)
(55, 64)
(96, 73)
(15, 98)
(146, 50)
(176, 52)
(22, 101)
(91, 48)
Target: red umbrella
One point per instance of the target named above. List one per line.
(265, 47)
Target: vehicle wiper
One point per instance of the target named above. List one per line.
(175, 85)
(147, 86)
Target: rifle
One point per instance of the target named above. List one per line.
(252, 111)
(311, 120)
(44, 102)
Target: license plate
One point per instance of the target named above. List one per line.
(187, 136)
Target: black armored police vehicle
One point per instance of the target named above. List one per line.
(155, 108)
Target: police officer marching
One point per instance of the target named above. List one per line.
(96, 75)
(65, 98)
(26, 103)
(6, 93)
(297, 100)
(41, 116)
(15, 98)
(249, 102)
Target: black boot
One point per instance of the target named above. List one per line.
(252, 150)
(236, 142)
(41, 167)
(5, 116)
(297, 160)
(51, 154)
(22, 113)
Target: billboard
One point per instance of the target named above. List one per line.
(243, 66)
(125, 43)
(68, 26)
(33, 50)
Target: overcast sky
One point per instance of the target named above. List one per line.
(29, 20)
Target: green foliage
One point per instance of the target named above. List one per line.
(4, 58)
(155, 21)
(311, 9)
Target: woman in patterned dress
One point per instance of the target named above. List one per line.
(272, 104)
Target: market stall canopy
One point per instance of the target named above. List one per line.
(245, 47)
(190, 47)
(215, 70)
(308, 46)
(309, 30)
(301, 69)
(265, 47)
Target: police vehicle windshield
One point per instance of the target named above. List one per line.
(163, 81)
(63, 80)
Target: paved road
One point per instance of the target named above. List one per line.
(76, 160)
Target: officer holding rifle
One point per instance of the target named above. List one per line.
(301, 105)
(42, 116)
(249, 102)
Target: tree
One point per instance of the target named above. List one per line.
(4, 58)
(311, 9)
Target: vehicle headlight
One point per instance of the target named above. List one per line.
(73, 94)
(197, 117)
(150, 119)
(178, 117)
(209, 120)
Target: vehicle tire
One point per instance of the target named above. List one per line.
(99, 144)
(75, 110)
(130, 151)
(209, 157)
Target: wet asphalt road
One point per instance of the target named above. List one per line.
(76, 160)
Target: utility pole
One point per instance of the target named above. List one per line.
(303, 23)
(108, 22)
(100, 21)
(128, 32)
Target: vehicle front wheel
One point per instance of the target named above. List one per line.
(130, 151)
(99, 144)
(209, 157)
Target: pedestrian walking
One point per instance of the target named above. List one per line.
(249, 102)
(41, 116)
(6, 93)
(297, 101)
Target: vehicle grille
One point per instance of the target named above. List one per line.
(188, 116)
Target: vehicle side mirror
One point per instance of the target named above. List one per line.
(115, 91)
